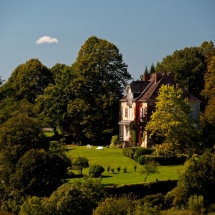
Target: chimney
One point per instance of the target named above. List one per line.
(146, 77)
(158, 76)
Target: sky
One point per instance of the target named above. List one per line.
(144, 31)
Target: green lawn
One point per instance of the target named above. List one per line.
(114, 158)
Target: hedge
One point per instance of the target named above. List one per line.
(142, 190)
(162, 160)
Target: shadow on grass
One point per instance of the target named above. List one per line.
(106, 176)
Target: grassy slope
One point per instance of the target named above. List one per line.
(115, 158)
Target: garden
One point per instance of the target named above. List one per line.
(119, 169)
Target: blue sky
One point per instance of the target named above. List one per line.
(145, 31)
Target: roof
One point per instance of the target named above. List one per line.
(138, 86)
(148, 90)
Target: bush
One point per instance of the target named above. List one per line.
(162, 160)
(196, 203)
(96, 170)
(114, 141)
(142, 151)
(141, 190)
(153, 200)
(128, 152)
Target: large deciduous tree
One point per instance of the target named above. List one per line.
(208, 118)
(196, 178)
(189, 66)
(100, 74)
(53, 103)
(28, 81)
(18, 135)
(39, 173)
(172, 120)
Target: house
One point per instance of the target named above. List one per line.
(137, 105)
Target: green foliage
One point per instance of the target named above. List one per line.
(198, 177)
(188, 66)
(38, 173)
(80, 163)
(176, 124)
(28, 81)
(115, 206)
(142, 190)
(142, 151)
(196, 203)
(165, 149)
(53, 103)
(124, 169)
(118, 169)
(149, 168)
(18, 135)
(78, 198)
(100, 75)
(96, 170)
(128, 152)
(162, 160)
(114, 141)
(32, 206)
(134, 137)
(108, 169)
(208, 118)
(12, 203)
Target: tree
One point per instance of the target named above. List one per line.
(78, 198)
(53, 104)
(149, 168)
(172, 120)
(32, 206)
(188, 66)
(208, 118)
(152, 69)
(1, 81)
(80, 163)
(100, 76)
(115, 206)
(198, 178)
(39, 173)
(96, 170)
(145, 72)
(28, 81)
(18, 135)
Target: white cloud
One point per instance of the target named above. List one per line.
(46, 39)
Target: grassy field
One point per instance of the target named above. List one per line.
(114, 158)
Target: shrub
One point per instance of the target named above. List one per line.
(125, 169)
(128, 152)
(80, 163)
(96, 170)
(142, 151)
(114, 141)
(162, 160)
(115, 206)
(153, 200)
(134, 137)
(108, 169)
(118, 169)
(196, 203)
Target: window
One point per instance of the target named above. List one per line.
(126, 112)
